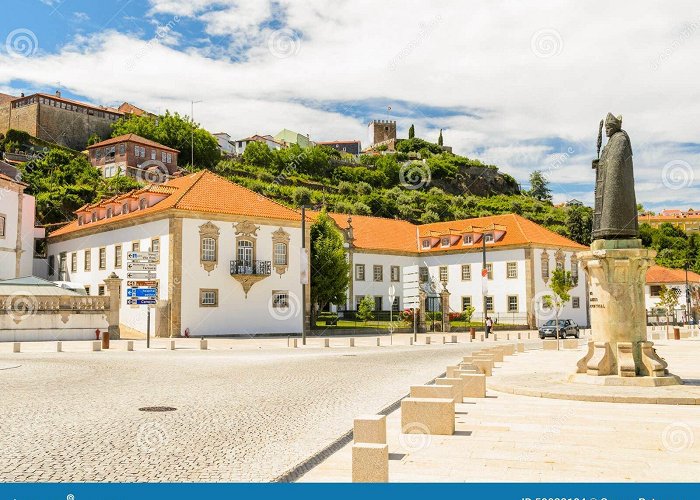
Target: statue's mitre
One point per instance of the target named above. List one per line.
(614, 120)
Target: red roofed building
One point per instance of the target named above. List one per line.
(675, 279)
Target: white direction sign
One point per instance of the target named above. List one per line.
(148, 256)
(133, 266)
(411, 286)
(141, 276)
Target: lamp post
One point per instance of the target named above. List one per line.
(192, 103)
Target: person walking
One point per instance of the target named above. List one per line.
(489, 325)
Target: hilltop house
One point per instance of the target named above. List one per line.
(270, 141)
(289, 137)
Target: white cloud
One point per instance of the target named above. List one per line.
(452, 54)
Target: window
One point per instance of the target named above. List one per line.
(574, 268)
(378, 303)
(74, 262)
(545, 266)
(443, 273)
(101, 290)
(359, 272)
(122, 148)
(280, 299)
(575, 302)
(125, 208)
(489, 303)
(2, 226)
(512, 303)
(467, 239)
(511, 270)
(423, 274)
(87, 290)
(488, 238)
(358, 299)
(103, 258)
(62, 267)
(466, 302)
(136, 246)
(109, 212)
(208, 249)
(88, 258)
(117, 256)
(395, 304)
(655, 290)
(143, 203)
(208, 298)
(489, 270)
(153, 154)
(466, 272)
(163, 156)
(378, 273)
(445, 241)
(280, 254)
(52, 265)
(155, 247)
(425, 243)
(245, 253)
(395, 273)
(170, 158)
(94, 216)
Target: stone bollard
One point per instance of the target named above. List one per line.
(370, 463)
(443, 339)
(495, 336)
(16, 347)
(326, 342)
(203, 344)
(59, 346)
(521, 347)
(428, 416)
(454, 339)
(482, 337)
(436, 391)
(105, 339)
(352, 341)
(294, 343)
(379, 342)
(370, 429)
(427, 340)
(474, 385)
(96, 345)
(129, 345)
(410, 340)
(550, 345)
(518, 335)
(171, 345)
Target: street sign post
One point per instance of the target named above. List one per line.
(137, 266)
(140, 276)
(146, 256)
(142, 285)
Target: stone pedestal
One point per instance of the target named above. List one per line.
(113, 285)
(616, 271)
(445, 304)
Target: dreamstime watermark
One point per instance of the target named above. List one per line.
(677, 174)
(21, 42)
(161, 33)
(415, 436)
(679, 40)
(407, 50)
(677, 437)
(284, 43)
(150, 436)
(557, 161)
(153, 172)
(544, 305)
(551, 430)
(414, 175)
(284, 306)
(546, 42)
(20, 306)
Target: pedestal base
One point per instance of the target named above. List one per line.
(616, 380)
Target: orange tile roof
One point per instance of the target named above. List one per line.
(127, 107)
(376, 233)
(660, 274)
(132, 138)
(667, 218)
(203, 191)
(4, 98)
(10, 179)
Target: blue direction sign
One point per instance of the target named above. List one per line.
(141, 302)
(142, 292)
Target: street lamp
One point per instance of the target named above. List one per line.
(192, 103)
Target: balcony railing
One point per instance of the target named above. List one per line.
(251, 267)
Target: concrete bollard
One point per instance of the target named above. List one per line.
(410, 340)
(482, 337)
(495, 336)
(203, 344)
(129, 345)
(171, 345)
(379, 342)
(570, 343)
(369, 429)
(443, 340)
(436, 391)
(370, 463)
(352, 341)
(428, 416)
(454, 381)
(326, 342)
(96, 345)
(59, 346)
(519, 335)
(550, 345)
(521, 347)
(508, 349)
(474, 385)
(294, 343)
(485, 365)
(454, 339)
(16, 347)
(427, 340)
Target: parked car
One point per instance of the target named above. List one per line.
(567, 328)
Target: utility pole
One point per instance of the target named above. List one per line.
(484, 275)
(306, 278)
(688, 300)
(192, 119)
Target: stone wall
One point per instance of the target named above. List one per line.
(24, 119)
(4, 117)
(70, 128)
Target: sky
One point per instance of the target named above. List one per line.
(519, 84)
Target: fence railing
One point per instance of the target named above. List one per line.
(251, 267)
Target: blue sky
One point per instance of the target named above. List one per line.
(521, 85)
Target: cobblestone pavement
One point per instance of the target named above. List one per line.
(245, 411)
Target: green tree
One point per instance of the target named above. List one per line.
(539, 186)
(560, 283)
(440, 138)
(330, 270)
(174, 131)
(411, 132)
(579, 223)
(365, 309)
(93, 139)
(258, 154)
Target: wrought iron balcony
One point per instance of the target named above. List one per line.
(251, 268)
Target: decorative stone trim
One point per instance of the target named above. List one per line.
(582, 365)
(625, 360)
(544, 257)
(601, 362)
(280, 237)
(559, 259)
(246, 228)
(209, 230)
(655, 366)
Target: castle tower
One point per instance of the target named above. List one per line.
(381, 130)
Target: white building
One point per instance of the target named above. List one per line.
(270, 141)
(17, 231)
(225, 145)
(520, 256)
(228, 258)
(659, 276)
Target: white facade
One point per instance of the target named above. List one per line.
(17, 232)
(225, 144)
(241, 144)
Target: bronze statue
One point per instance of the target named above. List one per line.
(615, 212)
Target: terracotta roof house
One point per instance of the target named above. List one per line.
(659, 276)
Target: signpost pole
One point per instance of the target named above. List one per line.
(148, 327)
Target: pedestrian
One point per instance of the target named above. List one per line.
(489, 325)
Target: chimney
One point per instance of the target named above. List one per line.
(58, 93)
(22, 94)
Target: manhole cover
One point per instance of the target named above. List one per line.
(157, 408)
